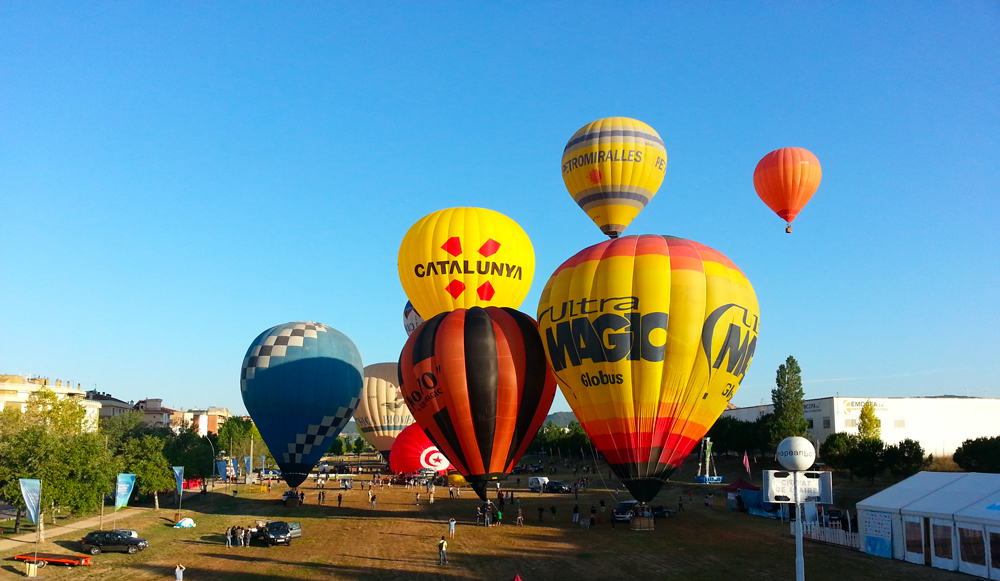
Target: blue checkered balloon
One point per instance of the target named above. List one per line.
(301, 382)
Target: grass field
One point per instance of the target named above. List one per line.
(398, 540)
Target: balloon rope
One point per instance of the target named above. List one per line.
(593, 454)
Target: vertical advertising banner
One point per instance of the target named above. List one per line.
(126, 482)
(261, 461)
(220, 466)
(248, 464)
(31, 491)
(235, 467)
(179, 477)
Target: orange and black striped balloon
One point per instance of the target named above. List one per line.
(477, 382)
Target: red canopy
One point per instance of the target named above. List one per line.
(740, 484)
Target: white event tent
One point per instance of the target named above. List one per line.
(950, 520)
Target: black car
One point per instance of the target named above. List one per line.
(557, 486)
(98, 541)
(279, 532)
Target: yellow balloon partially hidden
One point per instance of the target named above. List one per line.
(465, 257)
(613, 167)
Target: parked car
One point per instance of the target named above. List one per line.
(623, 510)
(98, 541)
(661, 511)
(558, 486)
(535, 468)
(537, 482)
(279, 532)
(519, 469)
(289, 494)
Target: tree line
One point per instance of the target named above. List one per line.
(78, 465)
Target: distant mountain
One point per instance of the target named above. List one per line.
(351, 429)
(561, 419)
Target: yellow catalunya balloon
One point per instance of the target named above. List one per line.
(382, 413)
(613, 168)
(465, 257)
(649, 338)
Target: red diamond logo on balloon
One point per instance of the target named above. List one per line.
(453, 246)
(595, 176)
(489, 248)
(455, 288)
(486, 291)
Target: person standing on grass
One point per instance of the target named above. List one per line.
(340, 498)
(680, 504)
(373, 501)
(451, 527)
(418, 499)
(442, 551)
(520, 518)
(553, 510)
(576, 513)
(179, 572)
(541, 514)
(239, 536)
(229, 538)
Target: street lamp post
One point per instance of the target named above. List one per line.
(797, 454)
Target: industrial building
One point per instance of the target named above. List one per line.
(940, 423)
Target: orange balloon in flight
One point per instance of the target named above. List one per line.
(786, 179)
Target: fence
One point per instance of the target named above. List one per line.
(829, 535)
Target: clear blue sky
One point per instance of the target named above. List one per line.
(177, 177)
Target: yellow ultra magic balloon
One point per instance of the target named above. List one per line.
(649, 338)
(465, 257)
(613, 168)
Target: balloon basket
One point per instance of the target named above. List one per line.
(788, 229)
(641, 523)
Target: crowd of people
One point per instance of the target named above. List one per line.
(238, 536)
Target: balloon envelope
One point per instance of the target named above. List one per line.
(477, 383)
(786, 180)
(301, 382)
(413, 451)
(382, 414)
(411, 319)
(613, 167)
(649, 337)
(464, 257)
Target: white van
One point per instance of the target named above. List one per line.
(537, 482)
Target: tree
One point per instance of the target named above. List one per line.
(869, 426)
(866, 458)
(835, 450)
(905, 458)
(143, 456)
(787, 397)
(337, 447)
(359, 445)
(49, 442)
(979, 455)
(195, 453)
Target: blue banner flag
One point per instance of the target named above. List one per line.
(31, 491)
(126, 482)
(248, 464)
(179, 477)
(262, 462)
(236, 467)
(220, 465)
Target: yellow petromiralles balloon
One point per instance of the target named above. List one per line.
(613, 168)
(649, 338)
(465, 257)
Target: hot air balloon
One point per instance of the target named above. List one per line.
(382, 413)
(301, 382)
(413, 451)
(613, 168)
(411, 319)
(477, 383)
(465, 257)
(649, 337)
(786, 179)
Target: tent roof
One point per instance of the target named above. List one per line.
(740, 484)
(984, 511)
(915, 487)
(949, 499)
